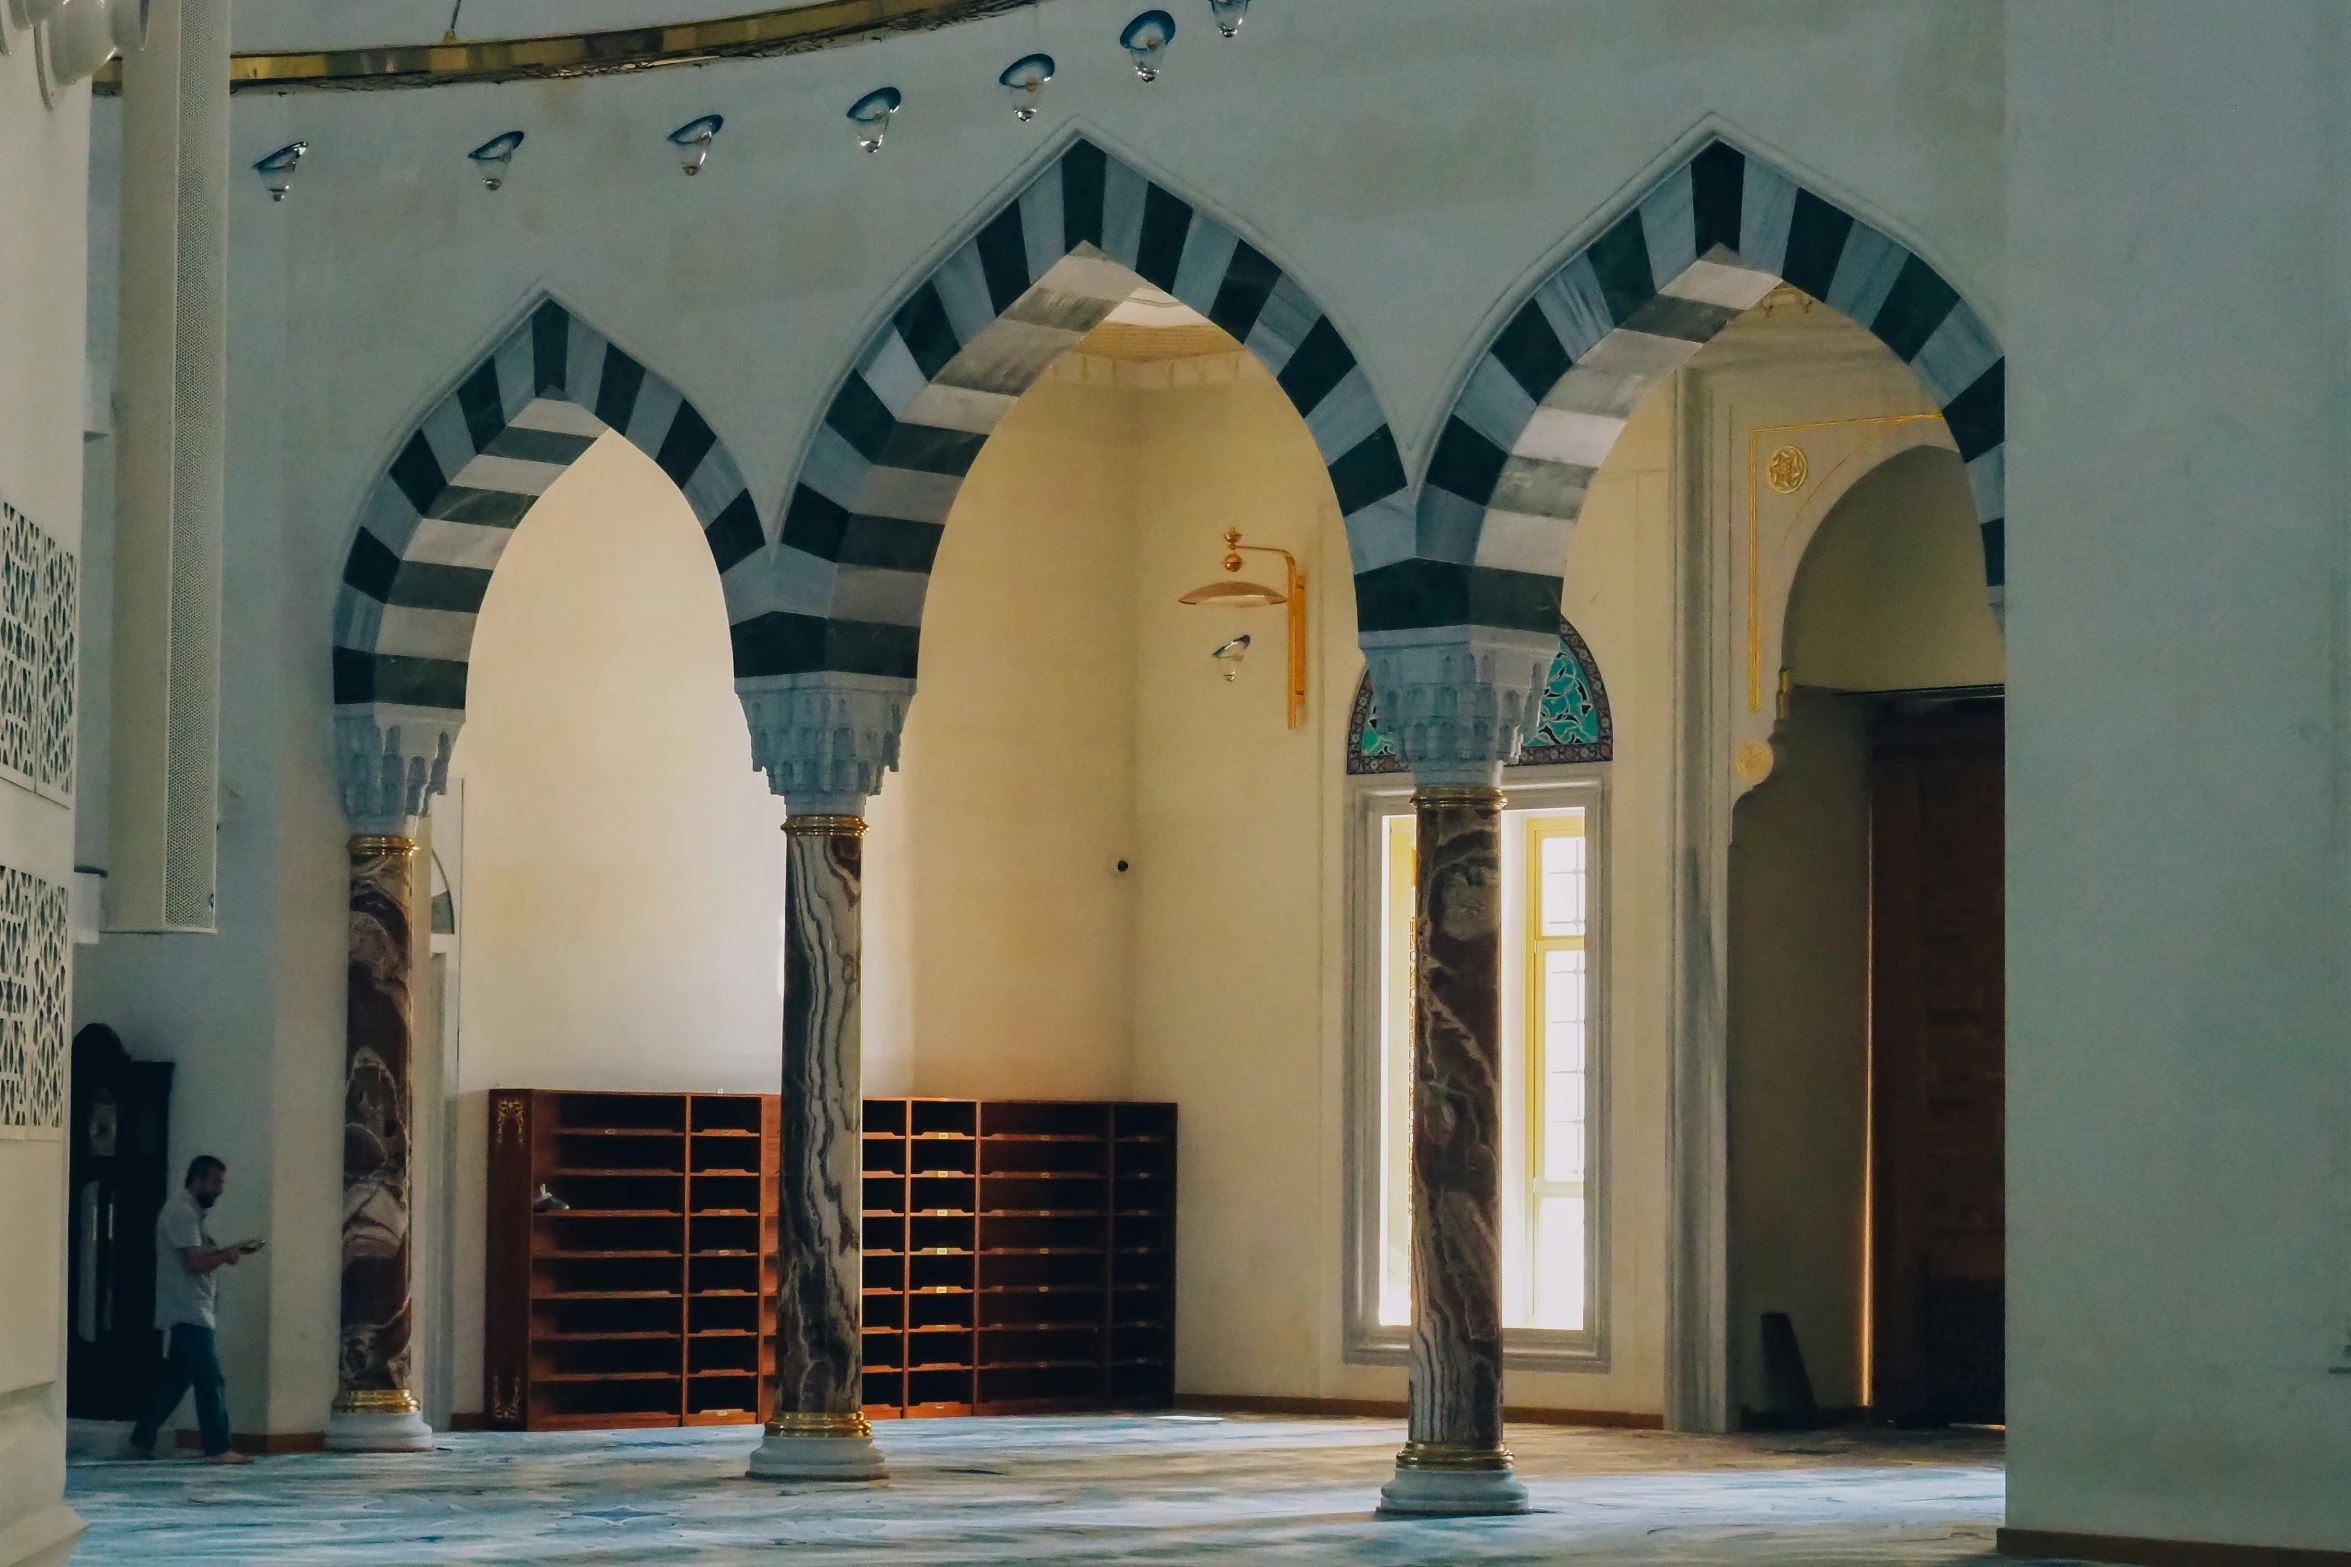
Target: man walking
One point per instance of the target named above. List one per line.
(187, 1286)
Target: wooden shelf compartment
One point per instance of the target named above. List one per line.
(647, 1301)
(1070, 1198)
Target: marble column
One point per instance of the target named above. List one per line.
(818, 1431)
(374, 1409)
(1454, 1460)
(824, 739)
(1464, 696)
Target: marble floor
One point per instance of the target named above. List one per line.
(1110, 1488)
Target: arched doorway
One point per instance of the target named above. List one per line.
(1865, 1021)
(1539, 412)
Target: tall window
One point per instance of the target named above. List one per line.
(1548, 1253)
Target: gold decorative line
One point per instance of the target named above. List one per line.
(377, 846)
(786, 30)
(832, 1425)
(375, 1401)
(1455, 1456)
(1471, 795)
(1754, 589)
(825, 826)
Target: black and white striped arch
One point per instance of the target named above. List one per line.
(1553, 390)
(439, 518)
(863, 521)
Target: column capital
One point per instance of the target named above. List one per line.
(1459, 699)
(389, 763)
(824, 738)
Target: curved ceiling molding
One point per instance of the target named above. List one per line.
(787, 30)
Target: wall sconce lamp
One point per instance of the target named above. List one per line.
(693, 140)
(1025, 79)
(1146, 38)
(493, 157)
(1229, 14)
(871, 116)
(277, 170)
(1239, 594)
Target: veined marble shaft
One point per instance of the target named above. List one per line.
(818, 1350)
(1457, 1124)
(373, 1351)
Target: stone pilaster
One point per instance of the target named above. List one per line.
(824, 741)
(374, 1408)
(1461, 699)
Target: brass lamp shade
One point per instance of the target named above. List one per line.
(1235, 595)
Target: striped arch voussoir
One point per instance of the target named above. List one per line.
(1554, 388)
(438, 519)
(864, 517)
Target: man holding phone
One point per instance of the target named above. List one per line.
(187, 1288)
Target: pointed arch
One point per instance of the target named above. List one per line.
(862, 521)
(1546, 400)
(440, 516)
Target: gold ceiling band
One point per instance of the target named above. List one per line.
(789, 30)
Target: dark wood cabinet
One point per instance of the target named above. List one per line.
(1019, 1258)
(631, 1270)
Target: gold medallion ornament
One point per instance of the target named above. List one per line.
(1754, 761)
(1787, 469)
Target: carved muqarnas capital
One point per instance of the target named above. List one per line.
(391, 764)
(824, 739)
(1459, 699)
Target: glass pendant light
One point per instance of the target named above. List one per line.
(693, 140)
(277, 170)
(1229, 14)
(1146, 38)
(1025, 79)
(870, 115)
(493, 157)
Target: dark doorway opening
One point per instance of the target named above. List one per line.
(1938, 1063)
(119, 1177)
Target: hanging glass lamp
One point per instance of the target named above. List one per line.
(1025, 79)
(1146, 39)
(870, 115)
(493, 157)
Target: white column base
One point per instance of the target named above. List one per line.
(355, 1431)
(818, 1458)
(1452, 1493)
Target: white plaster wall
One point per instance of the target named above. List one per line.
(622, 885)
(2178, 1095)
(1890, 595)
(1237, 961)
(1799, 1052)
(1011, 968)
(43, 187)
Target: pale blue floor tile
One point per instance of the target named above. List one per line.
(1093, 1489)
